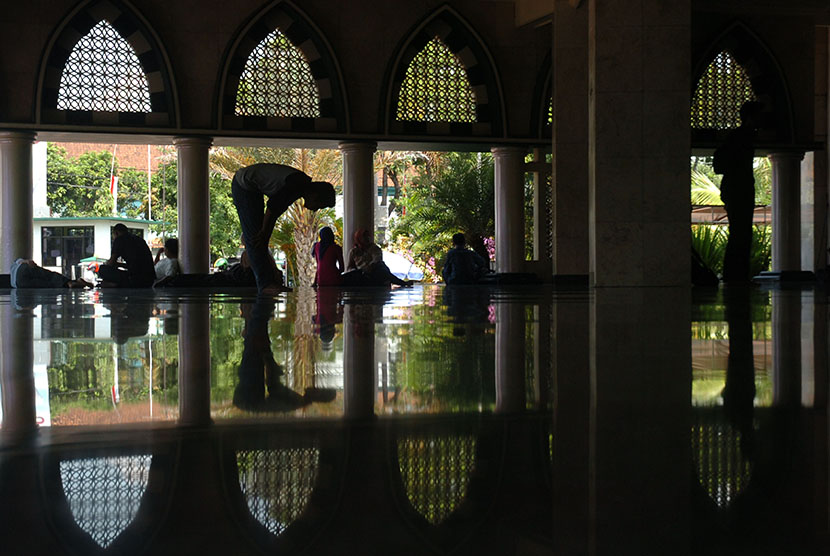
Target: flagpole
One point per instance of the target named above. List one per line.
(113, 188)
(149, 187)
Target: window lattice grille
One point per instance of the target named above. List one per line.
(721, 91)
(277, 484)
(548, 183)
(436, 472)
(104, 493)
(103, 73)
(722, 470)
(277, 81)
(436, 88)
(550, 112)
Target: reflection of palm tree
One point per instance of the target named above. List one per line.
(298, 230)
(304, 339)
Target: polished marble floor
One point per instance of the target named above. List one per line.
(428, 420)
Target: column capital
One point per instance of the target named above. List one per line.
(352, 146)
(193, 141)
(10, 136)
(786, 155)
(509, 150)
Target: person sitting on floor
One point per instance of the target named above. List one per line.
(329, 257)
(25, 273)
(366, 266)
(138, 272)
(462, 266)
(168, 266)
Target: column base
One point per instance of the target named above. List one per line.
(785, 276)
(570, 280)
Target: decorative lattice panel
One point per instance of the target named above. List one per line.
(436, 471)
(548, 183)
(722, 469)
(277, 484)
(277, 81)
(436, 88)
(722, 89)
(549, 121)
(103, 73)
(104, 493)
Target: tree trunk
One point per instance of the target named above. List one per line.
(394, 202)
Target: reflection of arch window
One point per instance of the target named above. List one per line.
(277, 81)
(103, 73)
(435, 88)
(104, 493)
(277, 484)
(722, 469)
(721, 90)
(436, 471)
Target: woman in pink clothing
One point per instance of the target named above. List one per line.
(329, 257)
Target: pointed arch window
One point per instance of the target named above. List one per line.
(436, 88)
(277, 81)
(104, 493)
(721, 90)
(722, 468)
(103, 73)
(277, 484)
(436, 472)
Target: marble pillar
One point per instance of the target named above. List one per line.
(639, 145)
(359, 372)
(193, 203)
(16, 190)
(509, 198)
(359, 191)
(194, 364)
(786, 211)
(570, 139)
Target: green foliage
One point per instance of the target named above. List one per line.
(706, 183)
(710, 243)
(456, 194)
(78, 187)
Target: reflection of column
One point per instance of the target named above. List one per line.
(194, 364)
(359, 192)
(510, 357)
(571, 403)
(193, 203)
(510, 222)
(786, 348)
(17, 382)
(786, 211)
(15, 197)
(639, 424)
(358, 361)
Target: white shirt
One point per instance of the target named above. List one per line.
(167, 267)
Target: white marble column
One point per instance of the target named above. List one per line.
(786, 211)
(570, 139)
(639, 145)
(193, 203)
(509, 198)
(16, 189)
(359, 192)
(359, 373)
(17, 382)
(194, 364)
(510, 357)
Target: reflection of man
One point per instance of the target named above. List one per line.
(282, 185)
(734, 159)
(138, 262)
(259, 387)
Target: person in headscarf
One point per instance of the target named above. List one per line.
(366, 266)
(329, 257)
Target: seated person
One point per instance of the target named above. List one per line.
(329, 257)
(238, 275)
(138, 262)
(170, 265)
(366, 266)
(463, 266)
(25, 273)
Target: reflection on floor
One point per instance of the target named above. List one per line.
(415, 421)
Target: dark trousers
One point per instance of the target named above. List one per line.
(38, 277)
(738, 247)
(122, 278)
(250, 206)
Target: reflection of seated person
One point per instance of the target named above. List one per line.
(329, 313)
(462, 266)
(129, 318)
(25, 273)
(169, 266)
(138, 262)
(470, 305)
(259, 387)
(366, 266)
